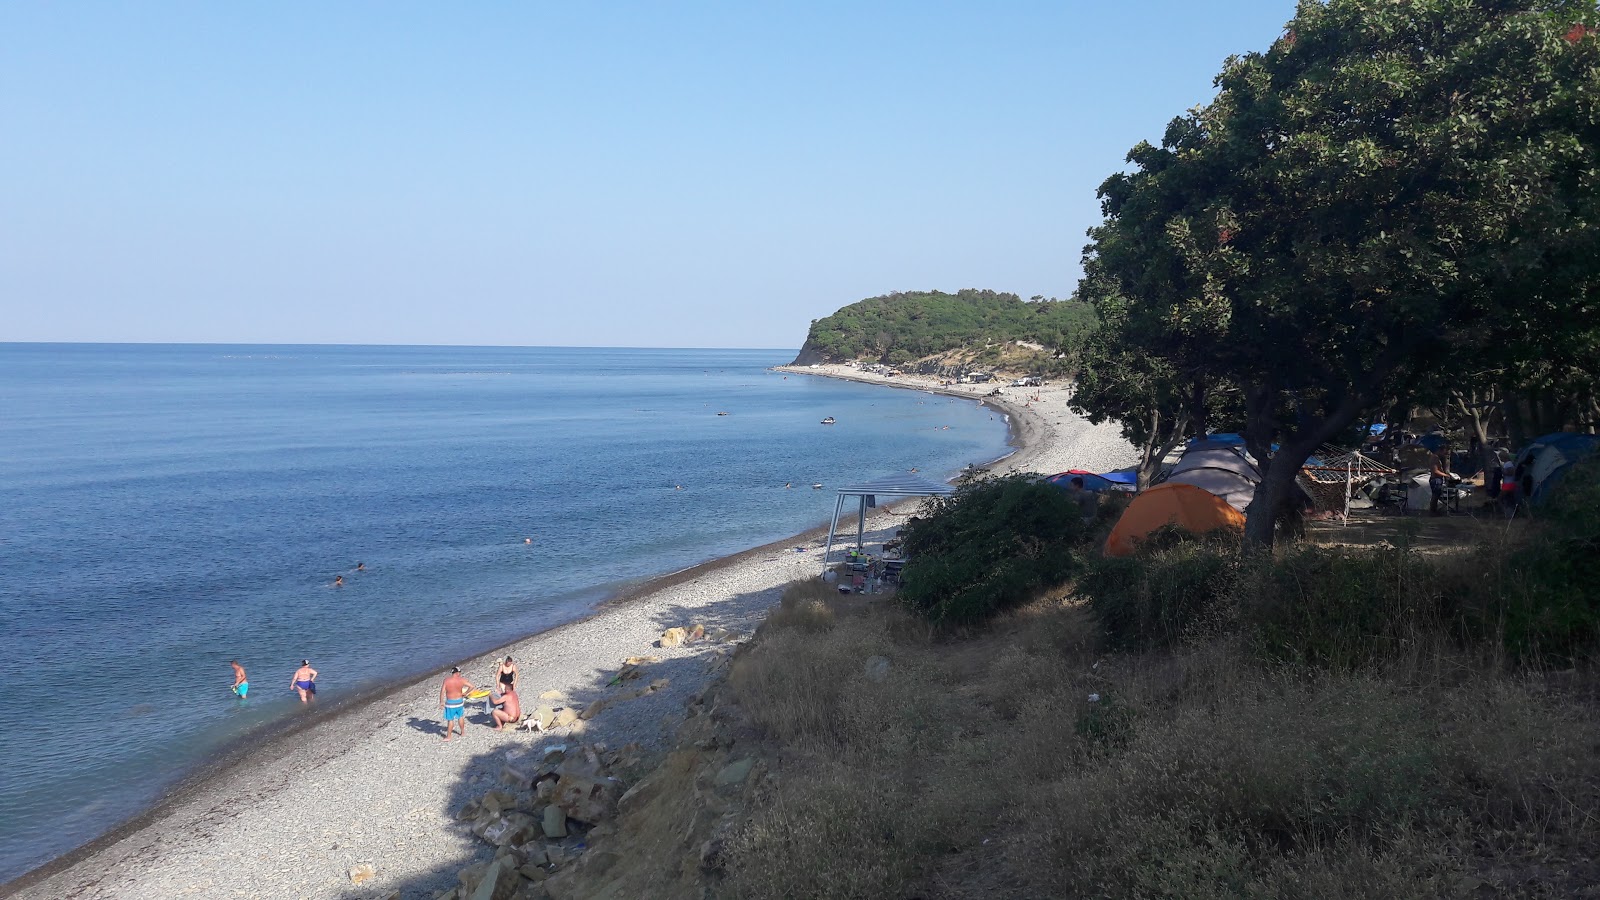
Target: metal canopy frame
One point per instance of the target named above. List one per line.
(898, 487)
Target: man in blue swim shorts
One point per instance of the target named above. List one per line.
(240, 685)
(453, 700)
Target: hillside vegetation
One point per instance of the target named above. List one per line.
(901, 329)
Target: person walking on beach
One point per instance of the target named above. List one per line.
(506, 674)
(304, 681)
(453, 700)
(507, 708)
(241, 684)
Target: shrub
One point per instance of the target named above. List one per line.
(806, 604)
(992, 545)
(1163, 593)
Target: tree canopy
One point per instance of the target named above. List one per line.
(900, 327)
(1390, 189)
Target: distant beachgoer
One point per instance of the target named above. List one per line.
(527, 540)
(508, 708)
(338, 581)
(241, 684)
(680, 487)
(453, 700)
(304, 681)
(506, 674)
(788, 484)
(361, 567)
(1087, 500)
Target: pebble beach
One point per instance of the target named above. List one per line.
(373, 783)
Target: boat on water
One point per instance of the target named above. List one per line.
(828, 421)
(721, 413)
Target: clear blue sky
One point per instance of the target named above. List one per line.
(635, 174)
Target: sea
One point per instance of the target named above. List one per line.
(165, 509)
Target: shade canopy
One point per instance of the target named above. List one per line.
(867, 494)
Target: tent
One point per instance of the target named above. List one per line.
(1091, 482)
(1541, 464)
(1125, 477)
(895, 487)
(1178, 504)
(1226, 471)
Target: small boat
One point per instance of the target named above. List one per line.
(721, 413)
(816, 485)
(828, 421)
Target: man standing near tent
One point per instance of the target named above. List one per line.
(1088, 501)
(1438, 476)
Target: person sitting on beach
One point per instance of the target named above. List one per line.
(506, 674)
(507, 708)
(453, 700)
(241, 685)
(304, 681)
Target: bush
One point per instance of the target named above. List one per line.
(1163, 593)
(806, 604)
(992, 545)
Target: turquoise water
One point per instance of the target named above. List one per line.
(168, 508)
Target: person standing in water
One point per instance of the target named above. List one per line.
(453, 700)
(241, 685)
(305, 681)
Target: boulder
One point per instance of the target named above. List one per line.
(555, 822)
(516, 776)
(362, 873)
(674, 637)
(877, 669)
(543, 718)
(697, 632)
(586, 799)
(551, 695)
(734, 773)
(513, 828)
(564, 718)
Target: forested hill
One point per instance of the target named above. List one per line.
(901, 328)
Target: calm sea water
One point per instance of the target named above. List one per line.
(164, 509)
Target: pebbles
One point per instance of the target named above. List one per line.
(347, 797)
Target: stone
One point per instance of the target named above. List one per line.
(545, 789)
(468, 811)
(641, 660)
(674, 637)
(471, 875)
(543, 718)
(564, 718)
(551, 695)
(515, 776)
(362, 873)
(877, 669)
(594, 709)
(734, 773)
(586, 799)
(497, 801)
(533, 853)
(697, 632)
(533, 872)
(555, 822)
(513, 828)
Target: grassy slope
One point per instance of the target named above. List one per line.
(1023, 762)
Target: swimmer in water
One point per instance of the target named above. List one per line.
(361, 567)
(338, 581)
(304, 681)
(241, 684)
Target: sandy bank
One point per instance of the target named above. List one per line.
(376, 784)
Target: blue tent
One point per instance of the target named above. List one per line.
(1121, 476)
(1541, 465)
(1091, 482)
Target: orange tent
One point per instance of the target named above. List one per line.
(1172, 503)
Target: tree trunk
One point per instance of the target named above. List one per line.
(1275, 490)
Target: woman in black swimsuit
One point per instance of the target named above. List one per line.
(508, 673)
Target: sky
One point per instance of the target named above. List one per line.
(576, 174)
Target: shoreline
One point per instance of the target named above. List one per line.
(200, 811)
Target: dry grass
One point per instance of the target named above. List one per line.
(982, 767)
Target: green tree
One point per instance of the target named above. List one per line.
(1392, 188)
